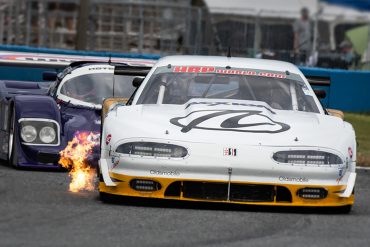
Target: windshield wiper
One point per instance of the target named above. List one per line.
(209, 86)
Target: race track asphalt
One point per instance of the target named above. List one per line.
(36, 209)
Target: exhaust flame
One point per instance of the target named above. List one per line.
(75, 157)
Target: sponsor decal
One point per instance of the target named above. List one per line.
(101, 68)
(94, 137)
(258, 122)
(115, 161)
(350, 152)
(306, 91)
(108, 138)
(293, 179)
(341, 175)
(208, 69)
(229, 151)
(164, 173)
(342, 169)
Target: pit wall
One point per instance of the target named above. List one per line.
(348, 91)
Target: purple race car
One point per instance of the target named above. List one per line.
(37, 121)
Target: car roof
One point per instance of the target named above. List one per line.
(233, 62)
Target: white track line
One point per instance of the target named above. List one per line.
(362, 168)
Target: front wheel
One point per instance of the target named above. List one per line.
(343, 209)
(12, 143)
(107, 198)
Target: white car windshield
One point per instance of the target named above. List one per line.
(94, 88)
(179, 84)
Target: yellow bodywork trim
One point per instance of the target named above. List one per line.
(123, 188)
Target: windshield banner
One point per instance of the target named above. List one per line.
(207, 69)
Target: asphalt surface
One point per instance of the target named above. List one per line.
(36, 209)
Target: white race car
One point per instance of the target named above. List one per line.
(233, 130)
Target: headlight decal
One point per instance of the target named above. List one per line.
(152, 149)
(39, 131)
(307, 157)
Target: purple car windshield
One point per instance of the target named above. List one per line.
(94, 88)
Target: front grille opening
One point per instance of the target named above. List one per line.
(145, 185)
(219, 191)
(204, 190)
(238, 192)
(252, 193)
(174, 189)
(312, 193)
(283, 194)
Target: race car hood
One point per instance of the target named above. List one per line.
(226, 122)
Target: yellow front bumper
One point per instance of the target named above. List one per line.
(333, 198)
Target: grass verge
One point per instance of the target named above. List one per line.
(361, 123)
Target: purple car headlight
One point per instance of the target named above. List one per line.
(47, 134)
(34, 131)
(28, 133)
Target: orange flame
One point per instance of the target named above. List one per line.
(75, 158)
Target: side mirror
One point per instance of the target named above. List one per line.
(49, 76)
(321, 94)
(136, 82)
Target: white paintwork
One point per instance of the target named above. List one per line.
(206, 161)
(105, 173)
(350, 185)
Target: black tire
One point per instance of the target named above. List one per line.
(343, 209)
(14, 153)
(13, 149)
(104, 197)
(10, 135)
(107, 198)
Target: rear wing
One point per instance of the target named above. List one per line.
(9, 88)
(131, 70)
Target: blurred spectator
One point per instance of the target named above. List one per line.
(69, 8)
(344, 58)
(53, 12)
(69, 21)
(302, 37)
(348, 56)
